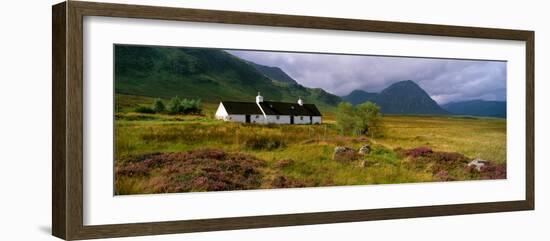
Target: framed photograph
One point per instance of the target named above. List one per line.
(171, 120)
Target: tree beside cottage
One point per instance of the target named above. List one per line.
(269, 112)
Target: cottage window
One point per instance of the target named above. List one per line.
(278, 117)
(257, 116)
(301, 118)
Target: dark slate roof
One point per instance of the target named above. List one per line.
(284, 108)
(242, 108)
(271, 108)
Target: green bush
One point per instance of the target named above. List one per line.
(144, 109)
(363, 119)
(174, 107)
(158, 106)
(184, 106)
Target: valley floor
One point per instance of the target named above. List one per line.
(157, 153)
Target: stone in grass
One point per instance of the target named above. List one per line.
(478, 164)
(365, 149)
(344, 154)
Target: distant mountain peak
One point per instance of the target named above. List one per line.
(402, 97)
(404, 84)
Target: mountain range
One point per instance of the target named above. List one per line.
(214, 75)
(406, 97)
(477, 108)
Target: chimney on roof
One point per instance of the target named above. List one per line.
(300, 101)
(259, 98)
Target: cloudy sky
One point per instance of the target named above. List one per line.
(445, 80)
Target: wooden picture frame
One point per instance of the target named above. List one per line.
(67, 150)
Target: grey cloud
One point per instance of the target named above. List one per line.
(445, 80)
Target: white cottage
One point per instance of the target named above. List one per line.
(263, 112)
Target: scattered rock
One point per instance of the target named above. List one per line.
(418, 152)
(478, 164)
(342, 149)
(345, 154)
(365, 149)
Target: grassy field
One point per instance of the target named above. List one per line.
(276, 156)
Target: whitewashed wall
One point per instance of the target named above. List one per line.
(283, 119)
(271, 119)
(317, 120)
(236, 118)
(302, 120)
(221, 113)
(257, 119)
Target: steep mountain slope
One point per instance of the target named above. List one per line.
(404, 97)
(282, 79)
(209, 74)
(359, 96)
(274, 73)
(478, 108)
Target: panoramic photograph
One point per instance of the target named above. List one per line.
(190, 119)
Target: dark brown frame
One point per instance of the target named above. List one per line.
(67, 123)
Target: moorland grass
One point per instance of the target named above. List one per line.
(309, 147)
(305, 150)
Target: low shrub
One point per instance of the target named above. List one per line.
(144, 110)
(490, 170)
(493, 171)
(286, 182)
(444, 176)
(158, 106)
(132, 169)
(184, 106)
(448, 157)
(419, 151)
(449, 166)
(198, 170)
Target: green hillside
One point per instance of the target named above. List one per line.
(359, 96)
(209, 74)
(274, 73)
